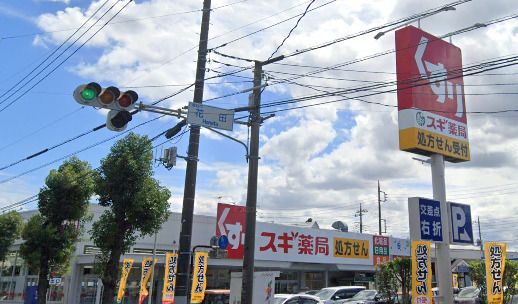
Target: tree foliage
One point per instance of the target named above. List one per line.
(136, 204)
(386, 281)
(11, 225)
(477, 273)
(392, 275)
(50, 235)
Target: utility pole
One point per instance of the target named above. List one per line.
(251, 195)
(182, 285)
(480, 237)
(379, 206)
(360, 213)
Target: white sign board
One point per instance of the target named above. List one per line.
(400, 247)
(298, 244)
(264, 287)
(212, 117)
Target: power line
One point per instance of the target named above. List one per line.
(54, 51)
(34, 198)
(292, 29)
(120, 22)
(62, 62)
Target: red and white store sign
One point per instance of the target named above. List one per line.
(431, 103)
(276, 242)
(231, 221)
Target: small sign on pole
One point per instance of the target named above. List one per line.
(211, 117)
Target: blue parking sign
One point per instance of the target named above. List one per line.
(430, 220)
(461, 228)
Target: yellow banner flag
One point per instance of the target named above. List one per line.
(199, 278)
(126, 267)
(171, 260)
(421, 272)
(495, 267)
(147, 272)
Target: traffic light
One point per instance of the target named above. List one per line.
(120, 104)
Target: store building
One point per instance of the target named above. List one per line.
(306, 256)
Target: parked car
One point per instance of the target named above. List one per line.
(368, 296)
(216, 296)
(296, 299)
(330, 295)
(468, 295)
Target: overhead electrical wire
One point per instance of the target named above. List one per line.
(60, 63)
(55, 50)
(292, 29)
(121, 21)
(34, 198)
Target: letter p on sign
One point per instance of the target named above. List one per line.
(461, 228)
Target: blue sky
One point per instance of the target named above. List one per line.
(317, 162)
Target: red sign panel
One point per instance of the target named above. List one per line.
(422, 58)
(231, 221)
(432, 110)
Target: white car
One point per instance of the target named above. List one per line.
(296, 299)
(332, 294)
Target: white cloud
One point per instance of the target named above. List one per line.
(316, 159)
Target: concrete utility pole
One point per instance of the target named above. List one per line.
(480, 237)
(444, 277)
(182, 285)
(379, 207)
(251, 195)
(360, 213)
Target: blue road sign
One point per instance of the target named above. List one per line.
(461, 228)
(430, 220)
(223, 242)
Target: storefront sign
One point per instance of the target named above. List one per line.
(171, 260)
(421, 272)
(298, 244)
(432, 111)
(399, 247)
(380, 252)
(199, 277)
(126, 267)
(147, 272)
(231, 221)
(495, 266)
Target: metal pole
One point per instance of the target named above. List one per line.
(251, 196)
(444, 277)
(191, 169)
(12, 275)
(480, 236)
(150, 297)
(379, 207)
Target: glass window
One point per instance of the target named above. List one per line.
(293, 301)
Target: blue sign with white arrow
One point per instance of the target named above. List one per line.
(461, 227)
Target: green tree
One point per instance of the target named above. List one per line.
(50, 235)
(11, 225)
(136, 205)
(510, 280)
(386, 281)
(477, 274)
(402, 268)
(392, 275)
